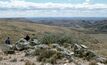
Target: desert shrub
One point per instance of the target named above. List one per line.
(47, 38)
(49, 55)
(60, 38)
(65, 38)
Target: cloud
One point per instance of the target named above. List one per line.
(21, 8)
(21, 4)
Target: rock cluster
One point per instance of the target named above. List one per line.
(51, 53)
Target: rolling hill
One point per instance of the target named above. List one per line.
(17, 28)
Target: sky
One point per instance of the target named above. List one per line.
(53, 8)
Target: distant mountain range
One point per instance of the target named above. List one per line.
(83, 24)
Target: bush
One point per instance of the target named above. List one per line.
(60, 38)
(48, 39)
(49, 55)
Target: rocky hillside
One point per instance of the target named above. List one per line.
(49, 45)
(49, 49)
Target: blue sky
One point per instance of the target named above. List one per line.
(68, 1)
(53, 8)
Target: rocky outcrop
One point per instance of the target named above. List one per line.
(52, 53)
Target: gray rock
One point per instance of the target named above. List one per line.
(41, 46)
(22, 44)
(83, 46)
(8, 49)
(30, 52)
(90, 55)
(34, 42)
(101, 59)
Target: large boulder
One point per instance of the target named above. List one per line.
(22, 44)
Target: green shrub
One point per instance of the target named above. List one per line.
(60, 38)
(49, 55)
(48, 39)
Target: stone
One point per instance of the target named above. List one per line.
(8, 49)
(34, 42)
(100, 64)
(90, 55)
(83, 46)
(22, 44)
(101, 59)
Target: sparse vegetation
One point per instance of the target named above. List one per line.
(53, 43)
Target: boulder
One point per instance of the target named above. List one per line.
(22, 44)
(8, 49)
(101, 59)
(90, 55)
(41, 46)
(34, 42)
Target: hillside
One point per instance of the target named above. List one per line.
(55, 43)
(87, 25)
(16, 28)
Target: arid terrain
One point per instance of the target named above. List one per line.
(82, 32)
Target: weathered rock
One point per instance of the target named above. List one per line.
(8, 49)
(101, 59)
(83, 46)
(100, 64)
(34, 42)
(41, 46)
(22, 44)
(90, 55)
(30, 52)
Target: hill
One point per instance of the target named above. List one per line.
(17, 28)
(84, 24)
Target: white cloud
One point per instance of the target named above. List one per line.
(14, 8)
(21, 4)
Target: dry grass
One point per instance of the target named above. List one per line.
(17, 29)
(102, 47)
